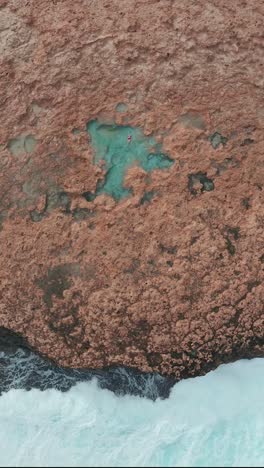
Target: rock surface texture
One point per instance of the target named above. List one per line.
(169, 278)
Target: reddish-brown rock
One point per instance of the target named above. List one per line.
(173, 285)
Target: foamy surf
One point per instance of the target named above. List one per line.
(215, 420)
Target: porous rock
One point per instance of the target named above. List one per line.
(170, 282)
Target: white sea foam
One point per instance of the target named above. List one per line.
(216, 420)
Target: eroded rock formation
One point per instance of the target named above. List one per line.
(168, 278)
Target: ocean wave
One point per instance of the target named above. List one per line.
(215, 420)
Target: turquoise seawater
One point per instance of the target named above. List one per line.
(215, 420)
(121, 147)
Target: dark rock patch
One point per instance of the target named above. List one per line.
(22, 368)
(200, 179)
(216, 139)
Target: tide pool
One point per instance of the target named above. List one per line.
(215, 420)
(119, 148)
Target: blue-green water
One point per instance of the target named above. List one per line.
(121, 147)
(216, 420)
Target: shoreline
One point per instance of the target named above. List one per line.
(22, 367)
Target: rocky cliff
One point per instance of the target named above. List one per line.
(131, 181)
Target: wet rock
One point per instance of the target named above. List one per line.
(16, 358)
